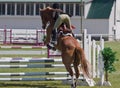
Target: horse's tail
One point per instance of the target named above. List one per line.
(84, 64)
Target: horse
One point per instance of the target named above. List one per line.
(71, 52)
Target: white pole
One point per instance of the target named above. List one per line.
(98, 61)
(94, 59)
(102, 63)
(89, 48)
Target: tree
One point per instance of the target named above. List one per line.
(109, 59)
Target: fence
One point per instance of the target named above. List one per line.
(22, 36)
(93, 54)
(15, 63)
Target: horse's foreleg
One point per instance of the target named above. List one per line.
(48, 36)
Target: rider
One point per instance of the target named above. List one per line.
(59, 19)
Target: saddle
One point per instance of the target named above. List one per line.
(64, 29)
(67, 32)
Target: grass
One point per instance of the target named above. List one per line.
(114, 77)
(26, 49)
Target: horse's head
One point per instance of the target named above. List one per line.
(46, 16)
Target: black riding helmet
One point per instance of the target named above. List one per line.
(55, 6)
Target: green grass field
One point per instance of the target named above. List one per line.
(114, 77)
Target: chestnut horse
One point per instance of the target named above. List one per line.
(71, 52)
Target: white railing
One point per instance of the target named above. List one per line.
(21, 36)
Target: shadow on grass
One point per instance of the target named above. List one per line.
(24, 85)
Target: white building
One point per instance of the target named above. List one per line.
(99, 16)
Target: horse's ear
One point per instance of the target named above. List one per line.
(41, 9)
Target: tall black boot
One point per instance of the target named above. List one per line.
(54, 40)
(51, 47)
(54, 36)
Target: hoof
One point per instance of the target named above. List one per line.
(73, 86)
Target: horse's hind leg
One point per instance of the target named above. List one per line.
(67, 61)
(77, 71)
(69, 69)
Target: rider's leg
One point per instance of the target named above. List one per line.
(54, 36)
(68, 24)
(54, 31)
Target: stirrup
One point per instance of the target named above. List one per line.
(54, 42)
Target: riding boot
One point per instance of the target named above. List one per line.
(51, 47)
(54, 36)
(53, 42)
